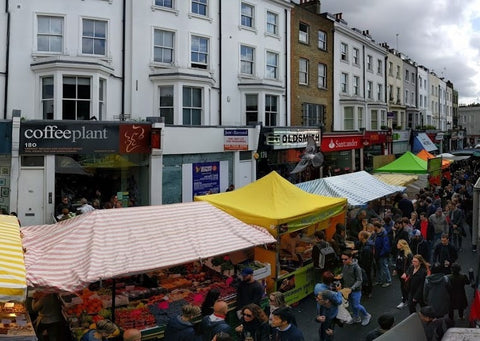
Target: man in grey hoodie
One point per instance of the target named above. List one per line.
(352, 279)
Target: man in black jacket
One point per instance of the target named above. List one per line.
(445, 254)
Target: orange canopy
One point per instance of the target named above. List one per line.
(424, 155)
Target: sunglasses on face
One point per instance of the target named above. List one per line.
(247, 315)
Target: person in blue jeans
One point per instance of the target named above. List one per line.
(382, 254)
(352, 278)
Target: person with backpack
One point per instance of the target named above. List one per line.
(365, 258)
(323, 255)
(382, 254)
(437, 291)
(352, 279)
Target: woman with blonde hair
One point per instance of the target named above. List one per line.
(415, 282)
(276, 300)
(402, 263)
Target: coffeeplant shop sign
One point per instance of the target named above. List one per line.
(58, 137)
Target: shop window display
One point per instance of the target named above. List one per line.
(99, 177)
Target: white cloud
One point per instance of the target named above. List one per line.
(442, 35)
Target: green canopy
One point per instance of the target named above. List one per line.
(407, 163)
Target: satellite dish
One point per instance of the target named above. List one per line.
(309, 157)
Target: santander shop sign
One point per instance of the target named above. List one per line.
(336, 143)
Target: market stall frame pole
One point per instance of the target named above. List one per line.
(114, 294)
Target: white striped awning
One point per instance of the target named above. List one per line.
(13, 285)
(111, 243)
(359, 187)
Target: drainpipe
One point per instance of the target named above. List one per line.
(287, 121)
(124, 16)
(220, 62)
(7, 61)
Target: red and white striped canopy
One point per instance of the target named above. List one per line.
(103, 244)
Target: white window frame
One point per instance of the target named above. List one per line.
(370, 90)
(246, 61)
(190, 107)
(374, 119)
(344, 83)
(369, 63)
(271, 116)
(164, 109)
(249, 111)
(164, 47)
(102, 98)
(356, 85)
(50, 35)
(360, 118)
(349, 118)
(303, 35)
(95, 37)
(250, 17)
(199, 4)
(197, 63)
(272, 27)
(322, 75)
(380, 66)
(343, 52)
(271, 69)
(47, 102)
(165, 3)
(356, 56)
(303, 71)
(322, 40)
(77, 100)
(312, 114)
(379, 92)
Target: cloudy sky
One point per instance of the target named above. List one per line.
(442, 35)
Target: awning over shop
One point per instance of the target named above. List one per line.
(103, 244)
(273, 200)
(452, 157)
(13, 285)
(396, 179)
(359, 188)
(422, 141)
(408, 163)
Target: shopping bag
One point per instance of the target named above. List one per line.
(343, 315)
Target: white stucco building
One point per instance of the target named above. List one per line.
(359, 80)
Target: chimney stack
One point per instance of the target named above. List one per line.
(338, 16)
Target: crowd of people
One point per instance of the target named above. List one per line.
(416, 239)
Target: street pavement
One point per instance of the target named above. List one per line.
(384, 300)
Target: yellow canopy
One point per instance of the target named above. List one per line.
(13, 283)
(272, 201)
(396, 179)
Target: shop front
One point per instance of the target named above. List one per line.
(280, 150)
(375, 143)
(343, 153)
(108, 163)
(400, 141)
(5, 160)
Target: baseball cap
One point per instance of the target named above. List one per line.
(417, 233)
(247, 271)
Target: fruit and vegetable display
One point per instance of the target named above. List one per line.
(140, 307)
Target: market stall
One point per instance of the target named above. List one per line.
(408, 163)
(120, 250)
(15, 321)
(359, 187)
(288, 213)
